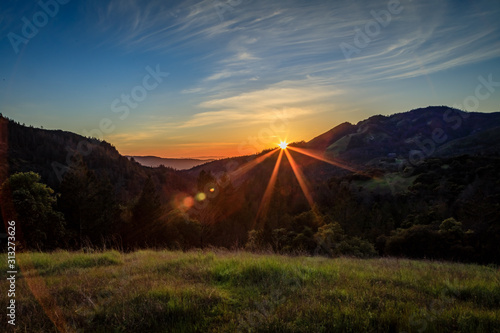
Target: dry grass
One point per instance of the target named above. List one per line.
(164, 291)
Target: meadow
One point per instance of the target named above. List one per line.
(219, 291)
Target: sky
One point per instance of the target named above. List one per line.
(219, 78)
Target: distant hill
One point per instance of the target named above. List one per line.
(174, 163)
(435, 131)
(380, 142)
(384, 142)
(52, 153)
(444, 207)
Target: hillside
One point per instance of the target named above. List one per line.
(426, 132)
(364, 145)
(362, 195)
(163, 291)
(174, 163)
(52, 153)
(388, 143)
(96, 189)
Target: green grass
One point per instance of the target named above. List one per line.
(390, 182)
(164, 291)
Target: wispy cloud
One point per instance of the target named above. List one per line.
(280, 39)
(235, 118)
(261, 57)
(293, 99)
(191, 91)
(283, 93)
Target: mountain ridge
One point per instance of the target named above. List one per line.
(175, 163)
(412, 135)
(406, 137)
(360, 187)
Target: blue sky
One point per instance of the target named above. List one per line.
(241, 74)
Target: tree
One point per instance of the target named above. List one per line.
(332, 241)
(30, 203)
(145, 215)
(451, 225)
(206, 181)
(328, 238)
(255, 241)
(88, 204)
(180, 231)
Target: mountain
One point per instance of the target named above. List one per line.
(381, 142)
(435, 131)
(324, 140)
(387, 143)
(446, 207)
(174, 163)
(53, 153)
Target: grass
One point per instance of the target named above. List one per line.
(391, 182)
(164, 291)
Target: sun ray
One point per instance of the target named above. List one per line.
(305, 189)
(317, 156)
(301, 179)
(250, 165)
(264, 204)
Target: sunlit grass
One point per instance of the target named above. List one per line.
(164, 291)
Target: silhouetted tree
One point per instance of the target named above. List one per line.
(89, 205)
(145, 215)
(31, 205)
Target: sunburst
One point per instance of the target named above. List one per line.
(299, 175)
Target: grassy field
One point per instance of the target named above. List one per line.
(163, 291)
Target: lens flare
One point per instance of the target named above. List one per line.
(250, 165)
(264, 204)
(300, 178)
(318, 156)
(283, 144)
(200, 196)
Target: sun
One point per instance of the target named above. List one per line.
(283, 144)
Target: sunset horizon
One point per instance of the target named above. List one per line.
(207, 78)
(250, 165)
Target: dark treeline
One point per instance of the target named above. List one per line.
(447, 208)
